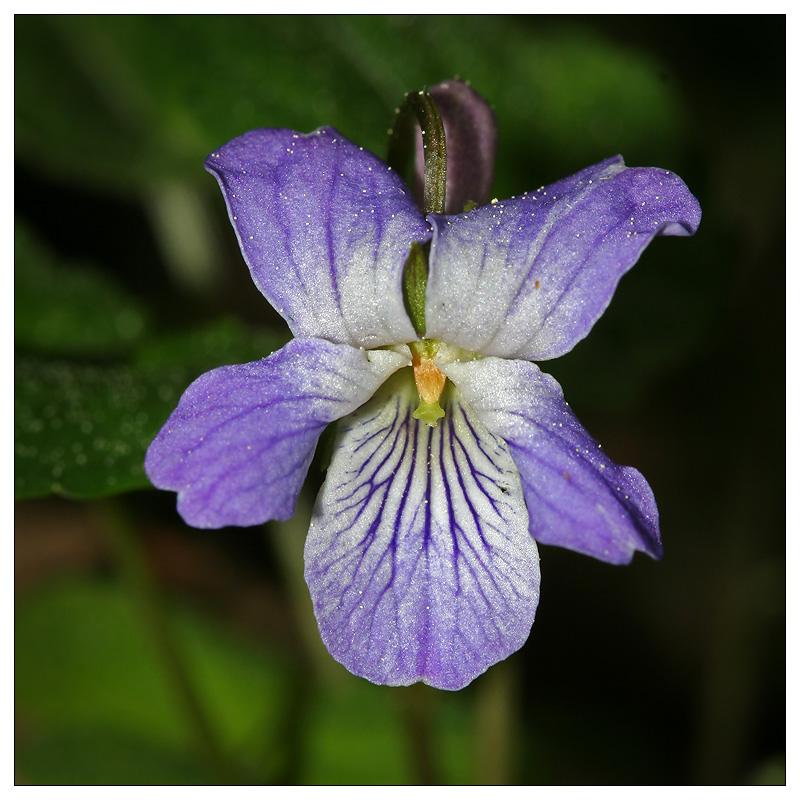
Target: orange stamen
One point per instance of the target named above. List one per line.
(429, 378)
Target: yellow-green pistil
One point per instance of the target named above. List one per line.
(429, 379)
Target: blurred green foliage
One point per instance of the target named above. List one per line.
(129, 284)
(85, 663)
(99, 707)
(131, 101)
(69, 308)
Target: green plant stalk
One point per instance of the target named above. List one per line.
(417, 703)
(136, 574)
(324, 674)
(495, 725)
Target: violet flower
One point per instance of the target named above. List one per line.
(421, 557)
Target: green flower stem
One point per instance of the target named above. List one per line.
(417, 703)
(495, 722)
(287, 538)
(315, 672)
(183, 227)
(137, 575)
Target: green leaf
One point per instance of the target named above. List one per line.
(83, 430)
(86, 671)
(224, 341)
(94, 705)
(67, 308)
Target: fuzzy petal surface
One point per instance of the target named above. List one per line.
(529, 277)
(238, 446)
(577, 497)
(418, 559)
(325, 228)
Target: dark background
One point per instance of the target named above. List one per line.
(149, 652)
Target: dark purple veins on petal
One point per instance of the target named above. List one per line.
(577, 497)
(418, 558)
(325, 228)
(238, 446)
(528, 277)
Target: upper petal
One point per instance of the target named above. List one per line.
(529, 277)
(418, 558)
(577, 497)
(325, 227)
(238, 446)
(470, 132)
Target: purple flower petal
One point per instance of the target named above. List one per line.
(418, 558)
(239, 444)
(529, 277)
(325, 227)
(577, 497)
(470, 131)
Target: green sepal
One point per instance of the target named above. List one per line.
(415, 281)
(421, 108)
(427, 348)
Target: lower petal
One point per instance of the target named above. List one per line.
(238, 446)
(418, 559)
(577, 497)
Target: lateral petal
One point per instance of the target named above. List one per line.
(418, 558)
(238, 446)
(529, 277)
(577, 497)
(325, 228)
